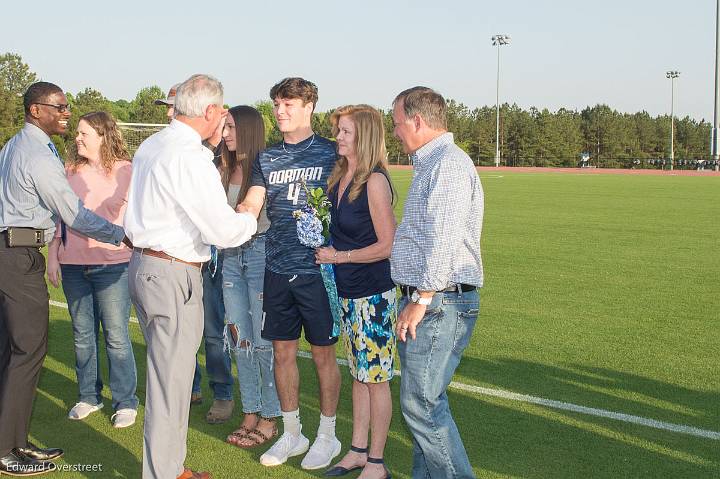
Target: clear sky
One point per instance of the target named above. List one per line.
(564, 53)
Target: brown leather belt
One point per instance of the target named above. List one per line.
(162, 255)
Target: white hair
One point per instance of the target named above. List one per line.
(196, 93)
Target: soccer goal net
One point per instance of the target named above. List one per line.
(136, 133)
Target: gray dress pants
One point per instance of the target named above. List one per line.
(168, 298)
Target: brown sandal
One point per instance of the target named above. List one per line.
(242, 431)
(237, 435)
(257, 437)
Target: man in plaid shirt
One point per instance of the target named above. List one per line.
(436, 262)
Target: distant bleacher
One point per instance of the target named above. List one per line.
(661, 163)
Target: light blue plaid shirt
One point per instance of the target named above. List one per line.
(437, 243)
(34, 190)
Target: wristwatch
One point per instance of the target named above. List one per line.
(417, 299)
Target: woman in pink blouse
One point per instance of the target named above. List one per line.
(94, 274)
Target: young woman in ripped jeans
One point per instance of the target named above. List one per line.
(243, 276)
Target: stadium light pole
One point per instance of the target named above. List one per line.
(498, 41)
(714, 139)
(672, 75)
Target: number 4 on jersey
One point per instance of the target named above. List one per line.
(294, 192)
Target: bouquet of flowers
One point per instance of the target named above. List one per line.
(313, 230)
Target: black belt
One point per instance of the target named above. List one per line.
(22, 237)
(456, 288)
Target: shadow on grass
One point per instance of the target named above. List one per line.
(503, 438)
(83, 444)
(517, 440)
(610, 442)
(93, 440)
(600, 388)
(509, 439)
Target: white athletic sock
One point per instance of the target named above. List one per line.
(327, 425)
(291, 422)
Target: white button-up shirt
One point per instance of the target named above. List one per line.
(177, 203)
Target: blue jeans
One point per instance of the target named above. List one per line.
(243, 276)
(217, 363)
(99, 295)
(197, 377)
(428, 364)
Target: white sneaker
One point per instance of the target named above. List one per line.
(322, 452)
(288, 445)
(82, 410)
(123, 418)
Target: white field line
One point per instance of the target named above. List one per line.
(565, 406)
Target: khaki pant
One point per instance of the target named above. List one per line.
(168, 298)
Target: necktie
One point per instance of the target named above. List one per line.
(51, 145)
(63, 228)
(63, 232)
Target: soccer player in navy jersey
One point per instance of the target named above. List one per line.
(294, 296)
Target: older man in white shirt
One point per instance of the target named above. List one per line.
(176, 209)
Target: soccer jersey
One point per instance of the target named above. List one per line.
(279, 169)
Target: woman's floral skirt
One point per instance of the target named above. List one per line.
(369, 335)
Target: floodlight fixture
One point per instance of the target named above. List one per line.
(672, 75)
(498, 41)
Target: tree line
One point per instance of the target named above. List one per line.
(528, 137)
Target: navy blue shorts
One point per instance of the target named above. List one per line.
(295, 301)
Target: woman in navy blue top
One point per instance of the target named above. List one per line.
(362, 231)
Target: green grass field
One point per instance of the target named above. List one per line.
(601, 290)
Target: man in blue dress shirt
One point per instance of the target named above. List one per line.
(34, 193)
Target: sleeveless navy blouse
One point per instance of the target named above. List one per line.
(352, 228)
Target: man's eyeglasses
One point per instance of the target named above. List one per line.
(59, 108)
